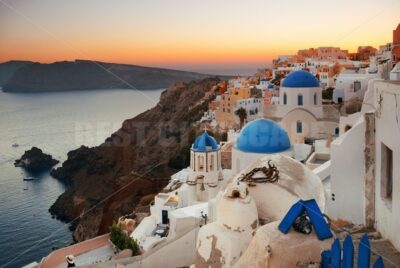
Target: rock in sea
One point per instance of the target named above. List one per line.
(35, 160)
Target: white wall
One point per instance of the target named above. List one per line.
(387, 214)
(253, 107)
(308, 96)
(241, 160)
(177, 253)
(345, 84)
(347, 175)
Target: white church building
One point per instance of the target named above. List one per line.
(300, 110)
(205, 201)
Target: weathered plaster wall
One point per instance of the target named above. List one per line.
(347, 175)
(271, 248)
(387, 214)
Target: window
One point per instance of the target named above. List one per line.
(212, 162)
(357, 86)
(337, 131)
(284, 98)
(315, 98)
(299, 127)
(201, 162)
(300, 100)
(386, 172)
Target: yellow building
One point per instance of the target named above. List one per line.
(224, 115)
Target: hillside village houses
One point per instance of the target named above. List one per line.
(205, 203)
(239, 94)
(223, 210)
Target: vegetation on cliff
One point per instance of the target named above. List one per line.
(122, 241)
(109, 180)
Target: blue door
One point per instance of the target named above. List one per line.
(164, 217)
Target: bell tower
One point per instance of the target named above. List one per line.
(206, 171)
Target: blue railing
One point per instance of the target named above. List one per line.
(335, 257)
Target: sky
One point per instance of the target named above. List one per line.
(213, 36)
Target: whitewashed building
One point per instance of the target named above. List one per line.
(253, 107)
(365, 175)
(300, 110)
(354, 83)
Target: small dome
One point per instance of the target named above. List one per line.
(263, 136)
(204, 143)
(300, 79)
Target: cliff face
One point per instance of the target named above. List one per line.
(108, 181)
(7, 69)
(86, 75)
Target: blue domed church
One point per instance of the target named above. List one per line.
(300, 111)
(259, 138)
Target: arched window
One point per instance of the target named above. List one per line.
(192, 161)
(284, 98)
(299, 127)
(315, 98)
(337, 131)
(300, 100)
(201, 162)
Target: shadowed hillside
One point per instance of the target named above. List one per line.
(135, 161)
(86, 75)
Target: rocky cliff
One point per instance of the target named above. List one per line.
(7, 69)
(108, 181)
(86, 75)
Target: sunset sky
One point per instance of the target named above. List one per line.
(209, 35)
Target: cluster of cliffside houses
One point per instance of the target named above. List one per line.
(228, 207)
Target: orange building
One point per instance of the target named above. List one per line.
(222, 87)
(363, 53)
(331, 53)
(307, 53)
(396, 44)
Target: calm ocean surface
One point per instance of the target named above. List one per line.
(56, 123)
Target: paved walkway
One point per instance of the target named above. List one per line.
(57, 257)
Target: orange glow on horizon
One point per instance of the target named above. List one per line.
(186, 34)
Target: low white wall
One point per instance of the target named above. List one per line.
(323, 171)
(347, 175)
(177, 253)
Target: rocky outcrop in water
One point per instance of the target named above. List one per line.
(109, 180)
(34, 160)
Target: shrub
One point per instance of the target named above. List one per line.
(146, 200)
(327, 93)
(122, 241)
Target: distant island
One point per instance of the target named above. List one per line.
(25, 76)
